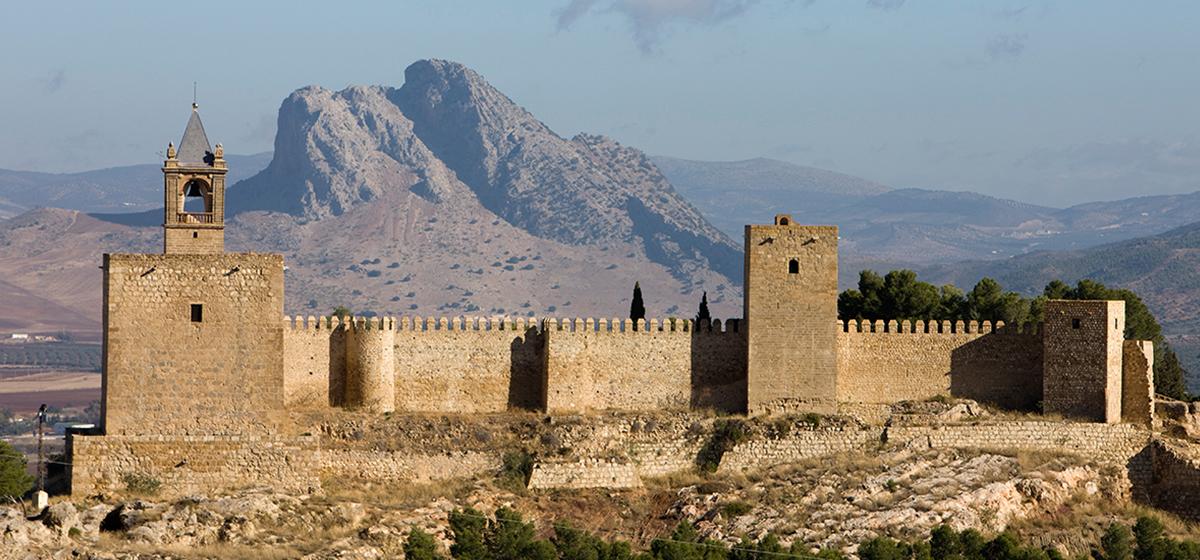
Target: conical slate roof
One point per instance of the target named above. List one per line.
(194, 148)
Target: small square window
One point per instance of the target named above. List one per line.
(195, 234)
(1076, 323)
(794, 266)
(197, 313)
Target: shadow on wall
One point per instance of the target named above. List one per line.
(337, 366)
(1002, 368)
(718, 364)
(527, 371)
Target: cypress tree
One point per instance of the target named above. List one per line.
(637, 309)
(704, 315)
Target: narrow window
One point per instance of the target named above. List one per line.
(1116, 324)
(195, 234)
(793, 266)
(1075, 323)
(197, 312)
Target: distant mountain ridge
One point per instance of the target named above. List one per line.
(129, 188)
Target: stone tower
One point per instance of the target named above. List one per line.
(193, 341)
(194, 183)
(790, 308)
(1082, 362)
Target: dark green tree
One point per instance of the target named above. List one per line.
(341, 311)
(703, 315)
(637, 308)
(943, 542)
(420, 546)
(905, 297)
(468, 526)
(883, 548)
(14, 481)
(1116, 544)
(508, 537)
(1150, 543)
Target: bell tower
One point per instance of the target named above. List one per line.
(194, 183)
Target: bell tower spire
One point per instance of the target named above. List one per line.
(194, 185)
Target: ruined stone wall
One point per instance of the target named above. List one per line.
(169, 373)
(405, 465)
(889, 362)
(800, 444)
(585, 473)
(1175, 483)
(463, 365)
(608, 365)
(1137, 384)
(791, 312)
(1084, 342)
(184, 465)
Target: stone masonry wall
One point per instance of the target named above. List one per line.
(607, 365)
(193, 464)
(790, 308)
(468, 366)
(882, 363)
(1084, 341)
(314, 362)
(586, 473)
(166, 373)
(1137, 384)
(1175, 484)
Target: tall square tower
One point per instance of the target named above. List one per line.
(790, 307)
(1081, 364)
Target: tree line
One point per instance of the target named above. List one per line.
(899, 295)
(506, 536)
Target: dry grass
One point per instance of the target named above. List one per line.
(392, 495)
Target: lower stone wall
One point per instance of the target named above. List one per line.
(797, 446)
(1003, 368)
(1112, 443)
(184, 465)
(404, 466)
(586, 473)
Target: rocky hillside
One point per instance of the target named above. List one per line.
(450, 138)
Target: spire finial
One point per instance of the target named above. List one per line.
(194, 104)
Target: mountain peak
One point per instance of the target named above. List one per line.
(450, 138)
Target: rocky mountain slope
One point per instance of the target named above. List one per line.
(450, 138)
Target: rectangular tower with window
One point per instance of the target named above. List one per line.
(790, 308)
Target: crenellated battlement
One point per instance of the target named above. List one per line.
(642, 326)
(510, 324)
(938, 327)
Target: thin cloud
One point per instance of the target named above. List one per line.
(649, 19)
(885, 5)
(1006, 46)
(1012, 13)
(55, 81)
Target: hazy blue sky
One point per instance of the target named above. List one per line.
(1046, 102)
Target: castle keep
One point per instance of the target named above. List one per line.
(199, 388)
